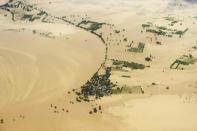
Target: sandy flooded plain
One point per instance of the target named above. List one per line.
(36, 72)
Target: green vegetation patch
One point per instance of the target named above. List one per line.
(98, 86)
(162, 30)
(126, 76)
(183, 60)
(128, 90)
(179, 32)
(146, 25)
(169, 18)
(131, 65)
(172, 20)
(158, 32)
(29, 17)
(90, 25)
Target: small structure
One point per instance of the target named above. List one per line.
(139, 48)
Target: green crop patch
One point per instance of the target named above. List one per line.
(126, 64)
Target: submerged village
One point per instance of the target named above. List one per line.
(104, 82)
